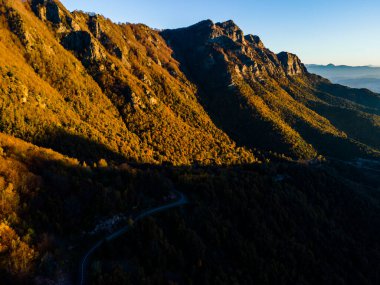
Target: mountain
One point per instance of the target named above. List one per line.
(250, 91)
(102, 121)
(354, 76)
(119, 89)
(203, 94)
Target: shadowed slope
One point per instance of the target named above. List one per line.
(248, 90)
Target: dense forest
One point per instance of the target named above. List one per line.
(101, 122)
(270, 223)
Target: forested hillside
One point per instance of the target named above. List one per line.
(270, 224)
(110, 86)
(102, 121)
(248, 90)
(206, 94)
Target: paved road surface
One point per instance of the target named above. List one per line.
(181, 200)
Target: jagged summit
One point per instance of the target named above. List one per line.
(229, 29)
(291, 63)
(249, 50)
(227, 24)
(254, 40)
(205, 23)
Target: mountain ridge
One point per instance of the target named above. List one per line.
(99, 121)
(132, 68)
(263, 66)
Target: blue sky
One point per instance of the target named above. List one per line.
(319, 31)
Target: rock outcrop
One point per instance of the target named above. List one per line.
(254, 41)
(94, 25)
(47, 10)
(83, 45)
(291, 64)
(230, 30)
(246, 55)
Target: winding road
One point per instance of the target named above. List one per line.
(181, 200)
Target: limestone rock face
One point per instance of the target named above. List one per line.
(222, 52)
(231, 30)
(47, 10)
(83, 45)
(77, 41)
(94, 26)
(291, 64)
(255, 41)
(224, 47)
(52, 12)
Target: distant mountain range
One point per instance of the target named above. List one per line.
(352, 76)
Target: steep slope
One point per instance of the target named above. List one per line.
(80, 79)
(254, 95)
(107, 93)
(121, 87)
(133, 66)
(26, 172)
(48, 97)
(354, 111)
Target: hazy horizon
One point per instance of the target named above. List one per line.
(338, 32)
(337, 65)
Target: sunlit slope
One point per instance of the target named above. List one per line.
(206, 94)
(119, 81)
(128, 100)
(48, 97)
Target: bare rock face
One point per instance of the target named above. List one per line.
(79, 42)
(231, 30)
(47, 10)
(291, 64)
(223, 49)
(83, 46)
(255, 41)
(94, 25)
(52, 12)
(88, 44)
(72, 24)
